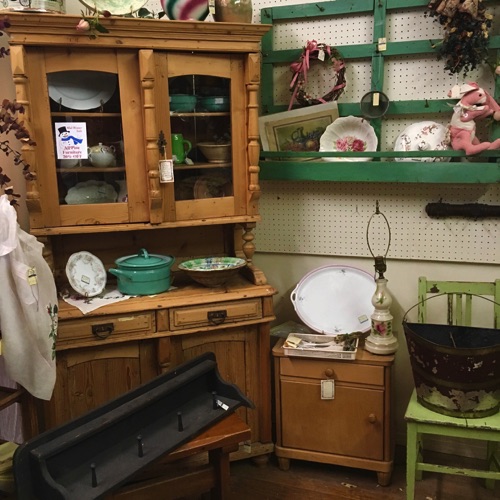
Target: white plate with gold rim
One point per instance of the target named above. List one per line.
(86, 274)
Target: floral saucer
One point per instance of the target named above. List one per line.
(348, 133)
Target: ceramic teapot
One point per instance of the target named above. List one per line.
(102, 156)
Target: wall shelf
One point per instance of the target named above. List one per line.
(483, 169)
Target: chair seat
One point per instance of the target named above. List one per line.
(421, 420)
(419, 414)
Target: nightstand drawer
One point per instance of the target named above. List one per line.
(117, 327)
(222, 313)
(343, 371)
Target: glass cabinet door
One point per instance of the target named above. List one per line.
(88, 137)
(96, 157)
(206, 140)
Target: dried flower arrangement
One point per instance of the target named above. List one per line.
(466, 24)
(10, 122)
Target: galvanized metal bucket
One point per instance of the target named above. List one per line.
(456, 369)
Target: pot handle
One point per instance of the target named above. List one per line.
(116, 272)
(144, 253)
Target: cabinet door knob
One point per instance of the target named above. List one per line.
(372, 418)
(329, 372)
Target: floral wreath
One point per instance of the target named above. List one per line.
(314, 51)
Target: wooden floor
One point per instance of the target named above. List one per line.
(314, 481)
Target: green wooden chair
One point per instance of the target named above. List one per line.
(421, 421)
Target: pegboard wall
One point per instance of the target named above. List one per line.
(331, 218)
(323, 218)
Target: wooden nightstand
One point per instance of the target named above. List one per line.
(351, 429)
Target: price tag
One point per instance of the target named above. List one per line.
(32, 278)
(328, 389)
(166, 168)
(321, 55)
(222, 405)
(211, 6)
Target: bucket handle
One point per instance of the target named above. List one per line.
(445, 293)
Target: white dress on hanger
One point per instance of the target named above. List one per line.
(28, 307)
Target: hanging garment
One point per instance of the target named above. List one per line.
(28, 307)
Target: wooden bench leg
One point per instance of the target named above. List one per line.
(219, 458)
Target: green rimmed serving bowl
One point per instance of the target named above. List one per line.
(212, 271)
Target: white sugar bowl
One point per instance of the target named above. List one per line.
(102, 156)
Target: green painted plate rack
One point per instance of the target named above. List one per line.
(291, 165)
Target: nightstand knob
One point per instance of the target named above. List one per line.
(329, 372)
(372, 418)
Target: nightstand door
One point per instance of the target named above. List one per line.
(350, 424)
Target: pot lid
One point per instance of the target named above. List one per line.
(144, 260)
(335, 299)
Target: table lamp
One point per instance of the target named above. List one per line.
(381, 339)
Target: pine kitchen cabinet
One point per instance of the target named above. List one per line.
(113, 94)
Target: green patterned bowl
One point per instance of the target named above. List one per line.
(212, 271)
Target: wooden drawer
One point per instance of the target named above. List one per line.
(182, 318)
(342, 371)
(112, 328)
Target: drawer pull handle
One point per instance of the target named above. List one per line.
(372, 418)
(217, 317)
(103, 331)
(329, 372)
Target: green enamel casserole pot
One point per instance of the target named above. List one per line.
(143, 274)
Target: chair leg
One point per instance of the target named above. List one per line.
(493, 462)
(412, 451)
(420, 456)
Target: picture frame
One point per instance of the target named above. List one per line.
(296, 130)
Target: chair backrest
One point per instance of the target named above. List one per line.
(459, 295)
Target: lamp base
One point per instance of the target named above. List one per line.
(381, 345)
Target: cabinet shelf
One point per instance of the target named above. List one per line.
(84, 114)
(206, 165)
(89, 170)
(198, 114)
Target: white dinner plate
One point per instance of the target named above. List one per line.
(335, 299)
(115, 7)
(81, 89)
(86, 274)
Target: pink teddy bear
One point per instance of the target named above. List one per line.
(475, 104)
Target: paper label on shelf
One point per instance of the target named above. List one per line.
(328, 389)
(166, 168)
